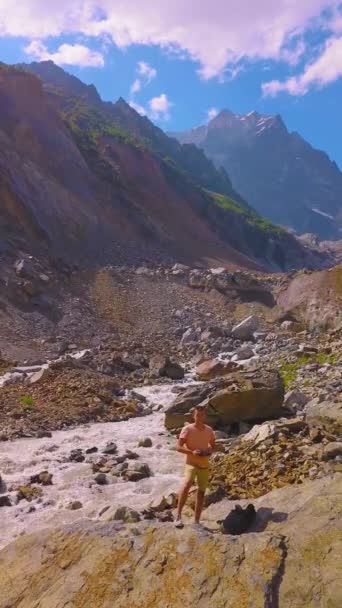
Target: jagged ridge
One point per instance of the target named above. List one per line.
(278, 172)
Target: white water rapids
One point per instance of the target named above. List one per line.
(73, 481)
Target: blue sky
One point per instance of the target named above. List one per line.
(176, 66)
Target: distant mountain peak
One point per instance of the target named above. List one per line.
(122, 102)
(53, 75)
(251, 120)
(278, 172)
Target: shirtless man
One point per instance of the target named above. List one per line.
(197, 442)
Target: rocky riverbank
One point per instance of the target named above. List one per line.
(94, 384)
(90, 436)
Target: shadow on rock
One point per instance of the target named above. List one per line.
(264, 516)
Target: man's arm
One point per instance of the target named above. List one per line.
(212, 441)
(181, 446)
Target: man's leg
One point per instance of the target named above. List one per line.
(199, 505)
(183, 495)
(184, 491)
(202, 481)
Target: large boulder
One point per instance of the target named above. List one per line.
(179, 411)
(244, 396)
(327, 414)
(248, 397)
(213, 368)
(246, 328)
(292, 560)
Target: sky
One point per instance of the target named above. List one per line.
(181, 62)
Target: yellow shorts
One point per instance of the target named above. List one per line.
(201, 476)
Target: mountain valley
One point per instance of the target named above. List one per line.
(141, 276)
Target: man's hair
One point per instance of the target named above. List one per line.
(200, 407)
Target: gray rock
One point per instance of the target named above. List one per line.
(325, 413)
(246, 328)
(38, 376)
(295, 397)
(245, 352)
(182, 267)
(145, 442)
(245, 396)
(101, 479)
(44, 478)
(287, 325)
(75, 505)
(142, 270)
(165, 367)
(76, 455)
(92, 450)
(137, 472)
(3, 486)
(5, 501)
(260, 432)
(179, 411)
(332, 449)
(125, 514)
(189, 336)
(111, 448)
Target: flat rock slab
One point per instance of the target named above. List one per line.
(155, 566)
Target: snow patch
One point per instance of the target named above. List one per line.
(322, 213)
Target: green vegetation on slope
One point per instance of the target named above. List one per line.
(88, 125)
(252, 218)
(289, 370)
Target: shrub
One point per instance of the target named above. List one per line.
(27, 400)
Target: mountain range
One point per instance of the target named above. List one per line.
(94, 182)
(280, 174)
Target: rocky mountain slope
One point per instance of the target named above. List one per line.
(63, 88)
(91, 182)
(279, 173)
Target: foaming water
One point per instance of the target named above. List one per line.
(75, 481)
(72, 481)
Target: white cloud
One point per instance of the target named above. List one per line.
(146, 74)
(138, 108)
(212, 113)
(215, 33)
(146, 71)
(160, 107)
(334, 21)
(292, 56)
(135, 86)
(325, 69)
(67, 54)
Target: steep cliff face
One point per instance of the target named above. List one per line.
(278, 172)
(75, 182)
(53, 198)
(47, 190)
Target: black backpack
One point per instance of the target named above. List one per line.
(239, 520)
